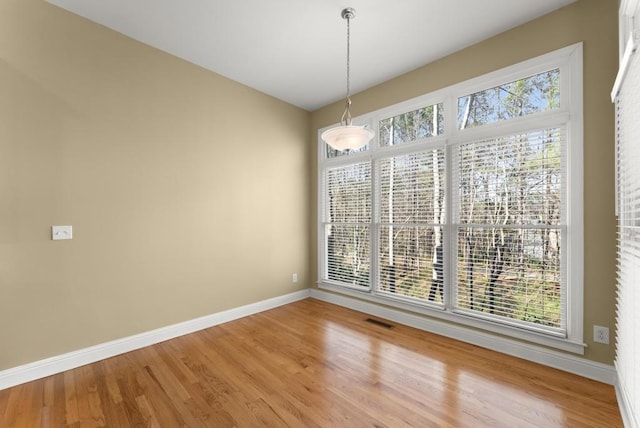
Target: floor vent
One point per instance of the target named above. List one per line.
(380, 323)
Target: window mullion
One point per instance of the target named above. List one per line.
(374, 272)
(450, 247)
(451, 243)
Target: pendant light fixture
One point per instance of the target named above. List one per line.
(347, 136)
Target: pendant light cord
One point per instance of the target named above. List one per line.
(348, 57)
(346, 116)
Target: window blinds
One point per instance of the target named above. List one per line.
(411, 200)
(347, 222)
(510, 225)
(628, 198)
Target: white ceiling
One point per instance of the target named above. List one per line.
(295, 50)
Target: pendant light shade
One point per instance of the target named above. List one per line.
(347, 136)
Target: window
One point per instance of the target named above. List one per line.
(522, 97)
(348, 236)
(411, 199)
(467, 205)
(510, 228)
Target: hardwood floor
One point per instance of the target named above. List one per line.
(311, 364)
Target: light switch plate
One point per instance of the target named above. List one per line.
(61, 232)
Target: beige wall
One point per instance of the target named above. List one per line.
(187, 192)
(593, 22)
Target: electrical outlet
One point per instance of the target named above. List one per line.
(61, 232)
(601, 334)
(294, 277)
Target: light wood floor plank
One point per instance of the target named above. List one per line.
(311, 364)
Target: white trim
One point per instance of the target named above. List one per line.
(624, 66)
(626, 409)
(71, 360)
(590, 369)
(629, 7)
(574, 257)
(628, 12)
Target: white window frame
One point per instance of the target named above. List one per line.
(569, 115)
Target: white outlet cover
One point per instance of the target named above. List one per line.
(601, 334)
(61, 232)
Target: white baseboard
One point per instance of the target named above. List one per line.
(629, 418)
(50, 366)
(590, 369)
